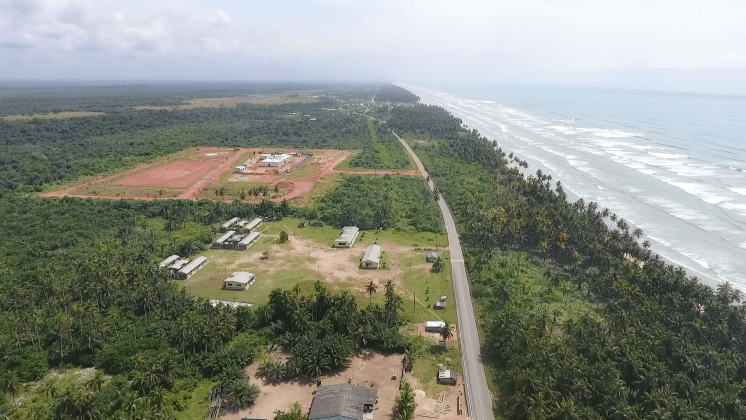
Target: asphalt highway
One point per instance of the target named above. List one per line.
(478, 401)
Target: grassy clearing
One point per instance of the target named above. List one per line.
(240, 190)
(110, 190)
(345, 164)
(233, 102)
(425, 366)
(51, 116)
(195, 403)
(428, 287)
(306, 170)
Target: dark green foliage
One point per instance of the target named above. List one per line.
(426, 120)
(391, 93)
(388, 202)
(295, 414)
(643, 341)
(381, 150)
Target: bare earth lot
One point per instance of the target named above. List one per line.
(177, 174)
(231, 102)
(369, 369)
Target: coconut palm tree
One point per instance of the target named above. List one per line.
(447, 332)
(370, 289)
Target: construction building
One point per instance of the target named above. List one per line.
(191, 268)
(347, 237)
(253, 224)
(168, 261)
(239, 280)
(432, 256)
(227, 225)
(248, 241)
(218, 243)
(343, 402)
(276, 161)
(372, 257)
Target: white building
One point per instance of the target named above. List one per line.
(239, 169)
(218, 243)
(178, 265)
(276, 160)
(227, 225)
(248, 241)
(191, 268)
(168, 261)
(434, 326)
(253, 224)
(372, 257)
(239, 280)
(347, 237)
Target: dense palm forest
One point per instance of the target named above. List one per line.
(581, 320)
(391, 93)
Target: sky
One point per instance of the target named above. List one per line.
(669, 44)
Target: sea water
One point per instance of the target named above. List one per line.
(670, 163)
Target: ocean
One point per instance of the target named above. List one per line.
(670, 163)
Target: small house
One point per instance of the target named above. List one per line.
(317, 223)
(447, 376)
(372, 257)
(440, 305)
(239, 280)
(191, 268)
(248, 241)
(434, 326)
(218, 243)
(432, 256)
(177, 265)
(239, 169)
(347, 237)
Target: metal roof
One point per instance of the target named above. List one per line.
(343, 400)
(192, 265)
(168, 261)
(254, 223)
(241, 277)
(250, 238)
(432, 254)
(349, 233)
(230, 222)
(372, 254)
(435, 324)
(225, 236)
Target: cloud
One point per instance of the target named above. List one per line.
(437, 39)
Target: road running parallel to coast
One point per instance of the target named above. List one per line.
(478, 400)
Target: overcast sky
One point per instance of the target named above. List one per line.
(630, 43)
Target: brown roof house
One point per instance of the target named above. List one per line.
(343, 402)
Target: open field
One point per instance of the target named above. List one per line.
(308, 256)
(232, 102)
(208, 173)
(51, 116)
(368, 369)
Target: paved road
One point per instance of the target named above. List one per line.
(479, 403)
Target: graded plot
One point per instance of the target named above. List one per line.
(177, 174)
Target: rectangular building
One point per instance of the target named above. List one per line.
(218, 243)
(239, 280)
(432, 256)
(232, 242)
(347, 237)
(227, 225)
(177, 265)
(253, 224)
(434, 326)
(276, 160)
(343, 402)
(248, 241)
(168, 261)
(191, 268)
(372, 257)
(239, 169)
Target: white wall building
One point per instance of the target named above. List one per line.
(248, 241)
(372, 257)
(347, 237)
(191, 268)
(276, 160)
(218, 243)
(168, 261)
(239, 280)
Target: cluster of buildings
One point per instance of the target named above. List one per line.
(236, 224)
(182, 268)
(238, 234)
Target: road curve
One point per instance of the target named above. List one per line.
(478, 400)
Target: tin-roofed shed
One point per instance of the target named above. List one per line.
(343, 402)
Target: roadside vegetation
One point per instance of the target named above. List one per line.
(579, 319)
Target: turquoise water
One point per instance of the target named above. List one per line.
(673, 164)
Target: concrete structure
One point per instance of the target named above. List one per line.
(255, 223)
(227, 225)
(177, 265)
(218, 243)
(276, 160)
(440, 305)
(248, 241)
(347, 237)
(168, 261)
(232, 242)
(343, 402)
(191, 268)
(432, 256)
(233, 305)
(372, 257)
(239, 169)
(239, 280)
(434, 326)
(446, 376)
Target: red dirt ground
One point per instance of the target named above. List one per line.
(177, 174)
